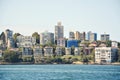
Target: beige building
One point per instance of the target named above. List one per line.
(105, 54)
(77, 51)
(77, 35)
(68, 51)
(48, 51)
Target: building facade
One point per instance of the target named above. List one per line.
(46, 38)
(38, 53)
(26, 41)
(27, 51)
(71, 35)
(8, 35)
(114, 44)
(77, 51)
(59, 51)
(48, 51)
(61, 42)
(105, 37)
(67, 51)
(91, 36)
(71, 43)
(77, 35)
(59, 31)
(83, 36)
(105, 54)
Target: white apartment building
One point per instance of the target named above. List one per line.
(105, 54)
(26, 41)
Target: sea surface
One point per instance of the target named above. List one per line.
(59, 72)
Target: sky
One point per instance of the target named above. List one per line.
(28, 16)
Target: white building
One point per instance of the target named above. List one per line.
(48, 51)
(77, 51)
(26, 41)
(105, 37)
(114, 44)
(0, 53)
(68, 51)
(46, 38)
(105, 54)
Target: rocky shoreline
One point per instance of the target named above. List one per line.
(75, 63)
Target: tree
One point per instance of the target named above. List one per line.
(72, 50)
(108, 43)
(11, 56)
(15, 38)
(37, 36)
(2, 37)
(119, 55)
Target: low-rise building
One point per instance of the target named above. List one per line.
(59, 51)
(114, 44)
(27, 51)
(77, 51)
(38, 53)
(61, 42)
(0, 53)
(68, 51)
(48, 51)
(26, 41)
(105, 54)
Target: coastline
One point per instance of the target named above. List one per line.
(74, 63)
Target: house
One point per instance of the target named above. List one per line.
(38, 53)
(48, 51)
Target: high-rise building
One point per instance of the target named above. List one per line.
(82, 36)
(59, 31)
(91, 36)
(46, 38)
(77, 35)
(105, 37)
(71, 35)
(8, 35)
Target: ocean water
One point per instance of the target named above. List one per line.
(59, 72)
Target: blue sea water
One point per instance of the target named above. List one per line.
(59, 72)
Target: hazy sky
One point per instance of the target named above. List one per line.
(28, 16)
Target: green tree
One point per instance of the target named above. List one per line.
(37, 36)
(108, 43)
(2, 37)
(11, 56)
(15, 38)
(119, 55)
